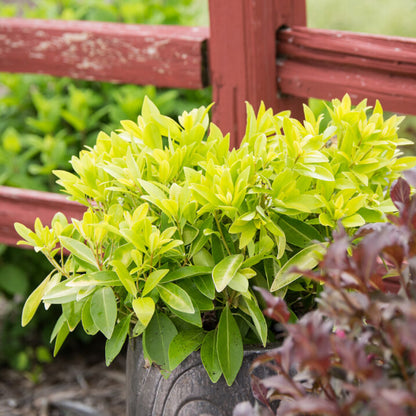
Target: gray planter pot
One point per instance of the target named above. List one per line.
(187, 392)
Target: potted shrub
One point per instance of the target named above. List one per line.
(178, 228)
(355, 355)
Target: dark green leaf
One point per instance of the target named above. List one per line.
(184, 344)
(205, 285)
(191, 318)
(217, 248)
(201, 239)
(186, 272)
(298, 232)
(258, 319)
(115, 343)
(229, 346)
(198, 299)
(209, 356)
(157, 337)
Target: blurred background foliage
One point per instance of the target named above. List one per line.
(44, 120)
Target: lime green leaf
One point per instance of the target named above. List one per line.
(144, 309)
(371, 215)
(59, 332)
(152, 189)
(157, 338)
(138, 329)
(125, 277)
(184, 344)
(189, 234)
(176, 297)
(72, 312)
(102, 278)
(33, 301)
(87, 323)
(229, 346)
(104, 310)
(239, 283)
(209, 356)
(151, 136)
(115, 343)
(80, 250)
(153, 279)
(28, 235)
(203, 258)
(306, 259)
(352, 221)
(61, 293)
(225, 270)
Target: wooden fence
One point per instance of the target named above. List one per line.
(253, 50)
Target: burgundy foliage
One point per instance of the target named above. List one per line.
(356, 354)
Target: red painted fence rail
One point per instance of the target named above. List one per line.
(327, 63)
(254, 50)
(166, 56)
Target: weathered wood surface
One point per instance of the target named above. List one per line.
(24, 206)
(326, 64)
(242, 58)
(165, 56)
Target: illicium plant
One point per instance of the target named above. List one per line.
(178, 228)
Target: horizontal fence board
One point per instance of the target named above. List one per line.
(165, 56)
(326, 64)
(24, 206)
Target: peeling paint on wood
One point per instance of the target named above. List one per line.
(326, 64)
(24, 206)
(242, 52)
(165, 56)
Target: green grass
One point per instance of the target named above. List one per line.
(387, 17)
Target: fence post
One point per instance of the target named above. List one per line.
(242, 58)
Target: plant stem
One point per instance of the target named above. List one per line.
(221, 234)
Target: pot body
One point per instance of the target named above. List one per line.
(188, 391)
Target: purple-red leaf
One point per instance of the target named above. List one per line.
(310, 406)
(259, 390)
(276, 307)
(400, 194)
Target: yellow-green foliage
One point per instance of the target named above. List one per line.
(178, 225)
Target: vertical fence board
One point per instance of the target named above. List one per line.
(242, 54)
